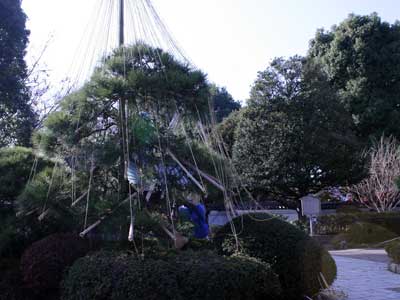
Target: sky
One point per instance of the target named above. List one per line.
(230, 40)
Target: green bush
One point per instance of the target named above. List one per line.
(43, 263)
(187, 275)
(360, 234)
(393, 250)
(348, 209)
(334, 224)
(15, 167)
(296, 258)
(341, 222)
(328, 267)
(390, 220)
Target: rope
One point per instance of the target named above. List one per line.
(131, 236)
(92, 167)
(73, 187)
(193, 157)
(50, 186)
(33, 170)
(169, 209)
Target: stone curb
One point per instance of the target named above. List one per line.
(395, 268)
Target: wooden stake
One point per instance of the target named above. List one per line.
(94, 225)
(187, 172)
(207, 177)
(79, 199)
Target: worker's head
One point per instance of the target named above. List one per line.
(193, 198)
(349, 197)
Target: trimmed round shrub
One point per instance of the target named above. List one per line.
(187, 275)
(43, 263)
(295, 257)
(361, 233)
(328, 267)
(393, 250)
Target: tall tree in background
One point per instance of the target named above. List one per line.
(294, 137)
(227, 128)
(223, 102)
(16, 114)
(361, 58)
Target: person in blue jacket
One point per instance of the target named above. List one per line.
(196, 212)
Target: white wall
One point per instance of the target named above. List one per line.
(220, 218)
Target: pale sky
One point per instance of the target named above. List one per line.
(230, 40)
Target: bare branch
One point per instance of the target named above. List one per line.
(379, 190)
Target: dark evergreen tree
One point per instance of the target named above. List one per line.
(361, 58)
(227, 128)
(223, 103)
(16, 114)
(294, 137)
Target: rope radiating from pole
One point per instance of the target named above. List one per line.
(137, 22)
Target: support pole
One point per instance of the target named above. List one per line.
(122, 110)
(206, 176)
(194, 180)
(121, 22)
(108, 214)
(79, 199)
(311, 226)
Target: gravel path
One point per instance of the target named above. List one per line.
(363, 275)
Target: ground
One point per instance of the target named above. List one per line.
(363, 275)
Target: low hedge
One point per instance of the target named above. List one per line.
(360, 234)
(296, 258)
(341, 222)
(43, 263)
(187, 275)
(393, 250)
